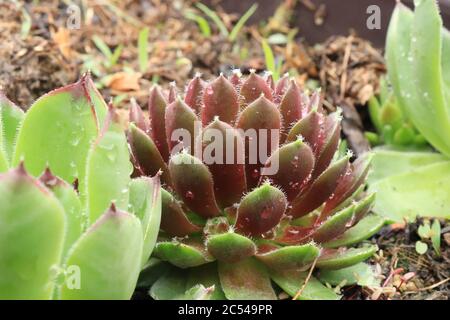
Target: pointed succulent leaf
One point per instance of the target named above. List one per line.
(11, 117)
(281, 87)
(137, 116)
(145, 203)
(146, 155)
(224, 145)
(354, 179)
(309, 127)
(152, 270)
(253, 87)
(361, 274)
(220, 99)
(246, 280)
(108, 170)
(194, 91)
(198, 292)
(173, 92)
(170, 286)
(291, 281)
(157, 110)
(235, 78)
(193, 182)
(173, 219)
(180, 117)
(343, 258)
(58, 130)
(31, 217)
(290, 108)
(295, 165)
(363, 230)
(290, 257)
(294, 235)
(108, 256)
(207, 276)
(335, 225)
(230, 247)
(258, 116)
(363, 207)
(260, 210)
(182, 255)
(425, 52)
(320, 190)
(332, 134)
(68, 197)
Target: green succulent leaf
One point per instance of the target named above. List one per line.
(423, 191)
(246, 280)
(343, 258)
(108, 170)
(11, 118)
(207, 276)
(182, 255)
(361, 274)
(230, 247)
(363, 230)
(292, 281)
(421, 247)
(170, 286)
(31, 237)
(290, 257)
(436, 236)
(58, 130)
(198, 292)
(416, 66)
(108, 257)
(145, 202)
(151, 272)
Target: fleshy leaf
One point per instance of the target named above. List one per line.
(207, 276)
(180, 121)
(145, 202)
(361, 274)
(290, 108)
(108, 170)
(230, 247)
(290, 257)
(173, 219)
(31, 237)
(296, 163)
(146, 155)
(309, 128)
(194, 91)
(137, 116)
(11, 117)
(408, 194)
(108, 256)
(182, 255)
(332, 133)
(193, 182)
(253, 87)
(58, 130)
(157, 110)
(320, 190)
(386, 163)
(68, 197)
(170, 286)
(343, 258)
(259, 116)
(220, 100)
(335, 225)
(260, 210)
(363, 230)
(292, 281)
(226, 167)
(246, 280)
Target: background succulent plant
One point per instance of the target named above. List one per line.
(84, 228)
(231, 226)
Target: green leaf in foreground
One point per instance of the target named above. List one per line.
(108, 257)
(31, 237)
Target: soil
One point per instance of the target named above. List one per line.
(348, 69)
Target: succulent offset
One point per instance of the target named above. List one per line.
(236, 228)
(74, 225)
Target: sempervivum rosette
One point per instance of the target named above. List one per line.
(255, 190)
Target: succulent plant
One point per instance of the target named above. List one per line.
(411, 182)
(233, 225)
(74, 225)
